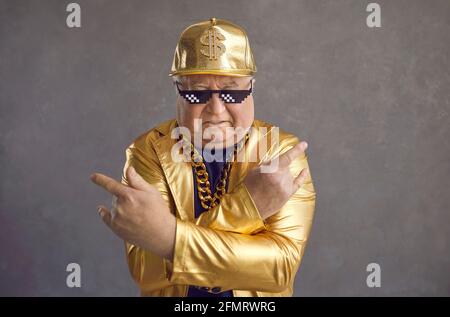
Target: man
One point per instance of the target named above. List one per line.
(233, 226)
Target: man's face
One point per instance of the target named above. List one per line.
(215, 115)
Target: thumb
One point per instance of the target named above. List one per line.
(136, 181)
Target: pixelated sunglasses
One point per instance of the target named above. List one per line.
(202, 96)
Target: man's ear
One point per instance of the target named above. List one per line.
(180, 80)
(176, 80)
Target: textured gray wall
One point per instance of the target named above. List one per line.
(372, 103)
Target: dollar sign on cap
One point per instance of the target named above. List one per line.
(212, 38)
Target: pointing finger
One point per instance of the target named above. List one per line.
(108, 183)
(292, 154)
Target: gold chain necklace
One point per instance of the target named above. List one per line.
(207, 199)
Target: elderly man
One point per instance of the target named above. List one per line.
(216, 223)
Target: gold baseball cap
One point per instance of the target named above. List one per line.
(216, 47)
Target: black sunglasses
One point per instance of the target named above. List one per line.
(202, 96)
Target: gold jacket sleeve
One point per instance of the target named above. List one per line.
(265, 261)
(235, 213)
(229, 246)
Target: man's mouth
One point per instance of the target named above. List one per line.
(218, 123)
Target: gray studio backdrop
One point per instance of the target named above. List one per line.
(373, 103)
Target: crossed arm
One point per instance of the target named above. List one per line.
(231, 246)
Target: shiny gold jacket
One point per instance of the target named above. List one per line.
(230, 246)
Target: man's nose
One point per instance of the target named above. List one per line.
(215, 104)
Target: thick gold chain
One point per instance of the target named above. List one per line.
(207, 199)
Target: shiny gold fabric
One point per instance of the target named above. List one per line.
(216, 47)
(229, 246)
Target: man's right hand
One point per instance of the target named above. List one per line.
(270, 191)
